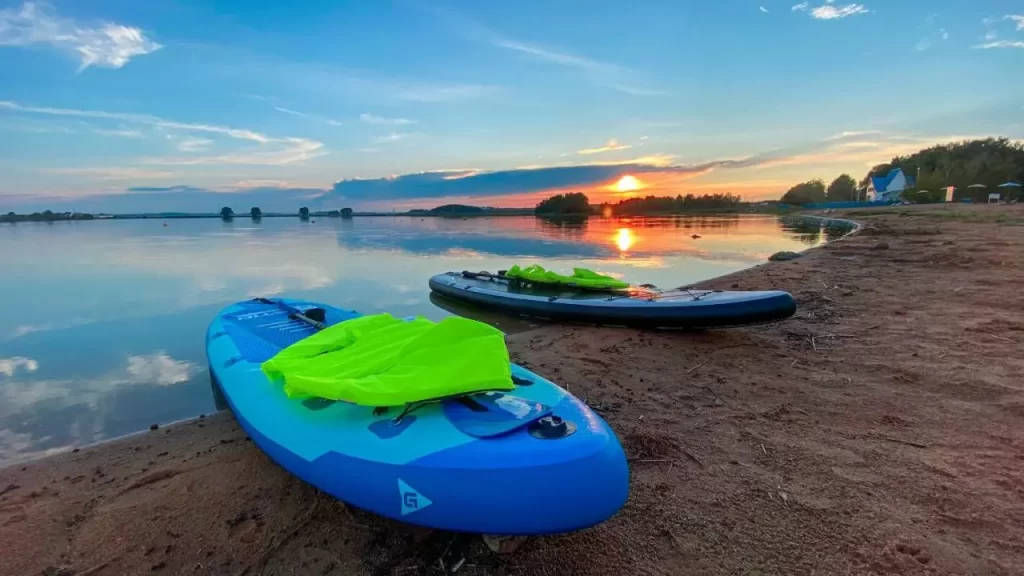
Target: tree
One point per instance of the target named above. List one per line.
(227, 213)
(842, 189)
(346, 212)
(805, 193)
(572, 203)
(255, 213)
(304, 213)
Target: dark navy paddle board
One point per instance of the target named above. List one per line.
(641, 308)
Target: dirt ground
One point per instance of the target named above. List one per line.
(880, 431)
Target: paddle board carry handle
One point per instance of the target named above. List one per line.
(314, 316)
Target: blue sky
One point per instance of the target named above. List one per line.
(182, 105)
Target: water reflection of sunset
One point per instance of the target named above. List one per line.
(624, 239)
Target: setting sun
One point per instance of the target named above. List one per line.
(627, 183)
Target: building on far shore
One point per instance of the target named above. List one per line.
(889, 188)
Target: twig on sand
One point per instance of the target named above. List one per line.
(713, 393)
(97, 567)
(898, 441)
(794, 363)
(999, 337)
(691, 457)
(697, 366)
(648, 460)
(269, 551)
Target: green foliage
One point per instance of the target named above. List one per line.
(805, 193)
(346, 212)
(255, 213)
(991, 162)
(842, 189)
(304, 213)
(571, 203)
(227, 213)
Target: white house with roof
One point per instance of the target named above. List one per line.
(889, 188)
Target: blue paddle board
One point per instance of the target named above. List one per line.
(534, 460)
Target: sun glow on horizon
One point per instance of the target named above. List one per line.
(627, 183)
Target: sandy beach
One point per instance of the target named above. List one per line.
(880, 431)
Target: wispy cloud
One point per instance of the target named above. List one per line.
(428, 93)
(603, 73)
(380, 120)
(999, 44)
(829, 11)
(272, 150)
(105, 44)
(1018, 19)
(139, 119)
(193, 144)
(120, 133)
(931, 33)
(832, 12)
(392, 137)
(122, 174)
(852, 134)
(610, 146)
(607, 74)
(763, 9)
(325, 120)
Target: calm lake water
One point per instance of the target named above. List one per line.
(102, 323)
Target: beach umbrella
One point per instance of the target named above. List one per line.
(1010, 185)
(977, 186)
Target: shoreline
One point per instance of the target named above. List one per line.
(872, 432)
(855, 226)
(453, 216)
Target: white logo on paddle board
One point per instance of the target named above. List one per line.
(411, 499)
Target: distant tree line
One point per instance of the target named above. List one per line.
(678, 205)
(45, 216)
(578, 203)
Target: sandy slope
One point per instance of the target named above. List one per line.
(880, 431)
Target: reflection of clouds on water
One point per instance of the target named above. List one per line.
(425, 241)
(43, 416)
(25, 329)
(147, 369)
(8, 366)
(160, 369)
(16, 446)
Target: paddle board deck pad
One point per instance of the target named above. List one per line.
(535, 460)
(648, 308)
